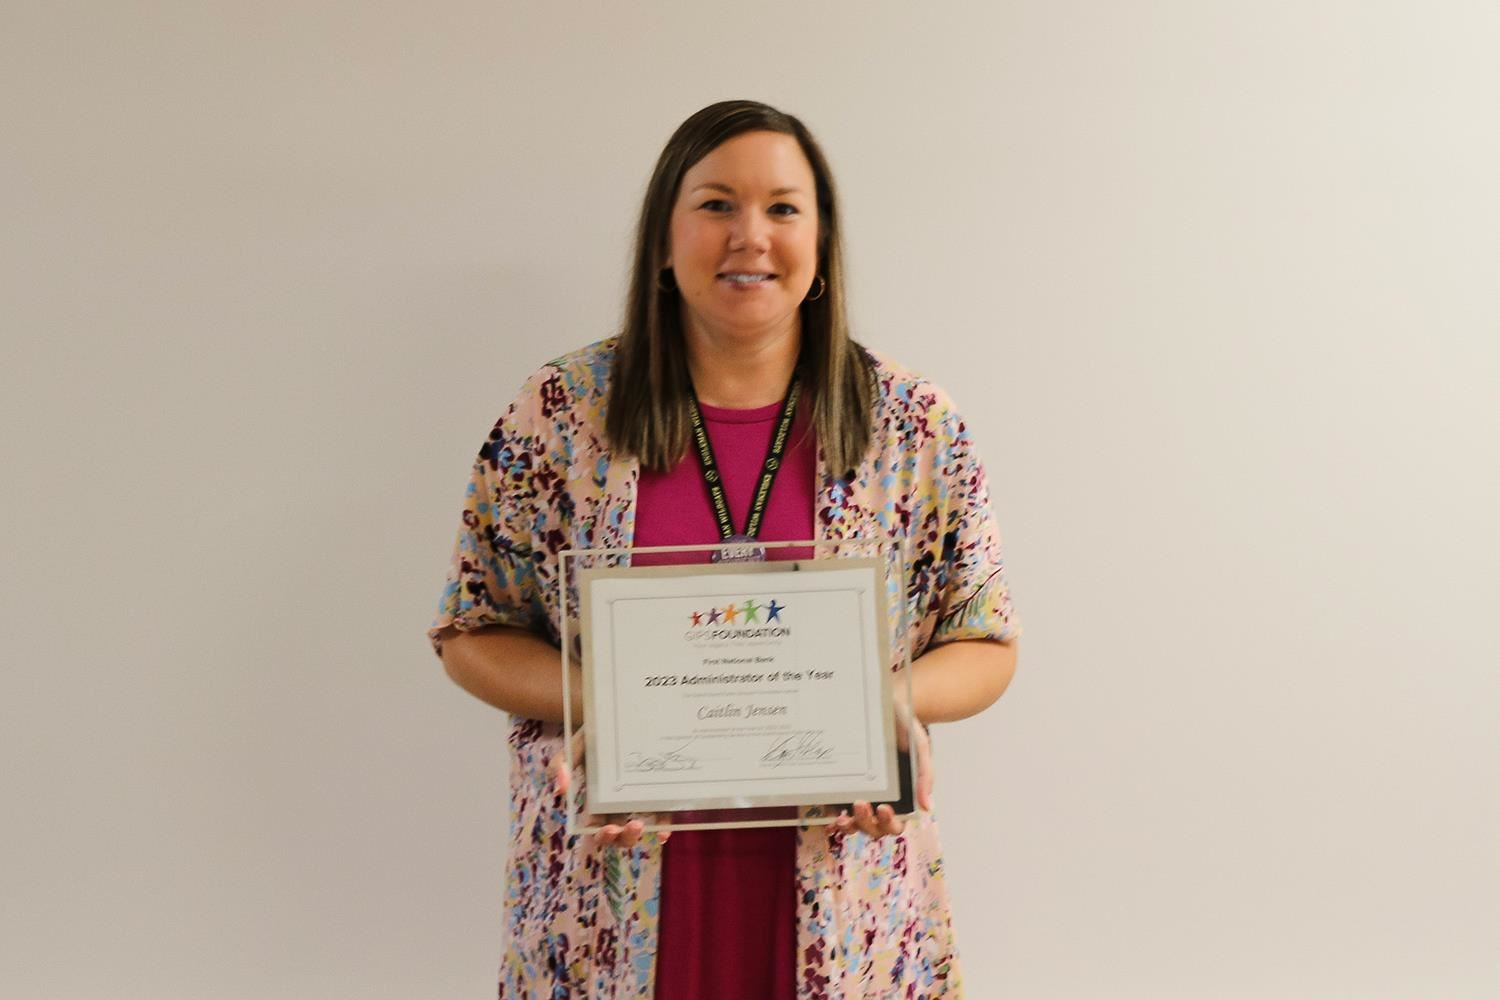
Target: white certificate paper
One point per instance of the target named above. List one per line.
(737, 686)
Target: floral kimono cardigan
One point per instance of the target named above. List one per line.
(872, 918)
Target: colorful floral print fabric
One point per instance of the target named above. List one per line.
(873, 916)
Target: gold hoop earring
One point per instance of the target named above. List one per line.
(671, 285)
(822, 288)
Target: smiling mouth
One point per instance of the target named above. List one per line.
(746, 277)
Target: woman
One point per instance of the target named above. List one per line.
(738, 286)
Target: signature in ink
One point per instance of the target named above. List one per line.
(801, 747)
(669, 760)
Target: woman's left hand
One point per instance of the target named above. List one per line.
(882, 821)
(614, 830)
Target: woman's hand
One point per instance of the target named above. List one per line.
(950, 681)
(882, 821)
(612, 834)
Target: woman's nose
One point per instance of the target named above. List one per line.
(749, 231)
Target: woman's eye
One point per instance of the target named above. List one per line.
(716, 205)
(782, 208)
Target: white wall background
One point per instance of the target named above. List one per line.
(1215, 283)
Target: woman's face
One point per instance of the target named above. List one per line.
(744, 237)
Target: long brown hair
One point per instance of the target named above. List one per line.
(647, 412)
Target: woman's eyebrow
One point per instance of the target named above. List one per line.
(716, 186)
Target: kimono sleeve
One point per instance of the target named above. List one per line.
(493, 575)
(974, 601)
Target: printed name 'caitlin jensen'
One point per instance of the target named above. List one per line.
(739, 712)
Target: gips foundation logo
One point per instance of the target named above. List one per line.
(750, 619)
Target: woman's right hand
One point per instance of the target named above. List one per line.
(882, 821)
(617, 831)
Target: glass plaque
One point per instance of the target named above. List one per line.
(733, 693)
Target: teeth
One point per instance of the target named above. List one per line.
(745, 279)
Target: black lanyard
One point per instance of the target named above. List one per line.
(714, 481)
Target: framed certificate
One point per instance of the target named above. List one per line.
(734, 687)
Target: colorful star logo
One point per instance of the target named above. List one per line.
(751, 612)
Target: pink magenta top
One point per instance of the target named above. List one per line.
(728, 897)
